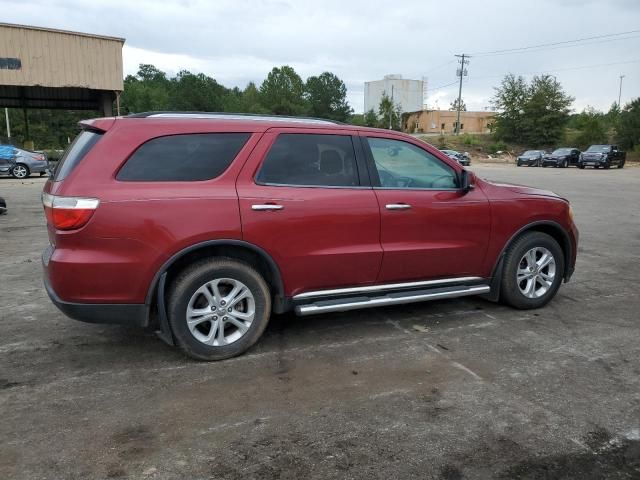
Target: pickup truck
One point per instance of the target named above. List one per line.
(602, 156)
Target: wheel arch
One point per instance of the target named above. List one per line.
(231, 248)
(549, 227)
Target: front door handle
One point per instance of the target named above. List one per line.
(266, 206)
(397, 206)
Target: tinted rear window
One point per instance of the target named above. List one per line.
(75, 153)
(189, 158)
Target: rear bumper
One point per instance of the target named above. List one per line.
(115, 313)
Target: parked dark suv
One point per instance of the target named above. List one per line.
(204, 224)
(602, 156)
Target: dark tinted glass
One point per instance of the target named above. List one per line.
(310, 160)
(193, 157)
(74, 153)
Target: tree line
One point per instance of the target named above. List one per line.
(283, 92)
(538, 114)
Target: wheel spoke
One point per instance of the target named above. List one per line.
(243, 327)
(220, 334)
(545, 260)
(530, 289)
(196, 316)
(246, 316)
(211, 338)
(241, 295)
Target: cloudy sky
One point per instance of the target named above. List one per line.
(238, 41)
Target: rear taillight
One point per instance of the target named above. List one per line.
(38, 158)
(68, 213)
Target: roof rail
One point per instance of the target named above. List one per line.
(234, 116)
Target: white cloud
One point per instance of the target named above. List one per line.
(237, 41)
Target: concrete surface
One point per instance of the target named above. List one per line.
(451, 389)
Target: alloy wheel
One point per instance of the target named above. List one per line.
(220, 312)
(19, 171)
(536, 272)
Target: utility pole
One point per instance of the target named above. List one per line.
(391, 109)
(6, 117)
(461, 72)
(620, 93)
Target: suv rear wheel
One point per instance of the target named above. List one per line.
(533, 271)
(218, 308)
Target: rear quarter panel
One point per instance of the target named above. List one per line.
(139, 225)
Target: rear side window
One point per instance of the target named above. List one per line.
(183, 158)
(82, 144)
(310, 160)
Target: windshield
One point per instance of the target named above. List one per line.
(530, 153)
(599, 148)
(562, 151)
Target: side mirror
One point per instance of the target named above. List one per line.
(465, 181)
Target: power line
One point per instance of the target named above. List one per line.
(442, 86)
(565, 42)
(434, 69)
(581, 67)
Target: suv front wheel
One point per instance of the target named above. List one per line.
(218, 308)
(533, 271)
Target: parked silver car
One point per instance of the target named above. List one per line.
(21, 163)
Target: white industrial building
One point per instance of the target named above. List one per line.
(407, 93)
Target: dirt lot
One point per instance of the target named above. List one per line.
(452, 389)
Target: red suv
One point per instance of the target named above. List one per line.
(204, 224)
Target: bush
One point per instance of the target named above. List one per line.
(469, 139)
(497, 147)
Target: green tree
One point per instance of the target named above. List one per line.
(282, 92)
(251, 101)
(147, 90)
(546, 112)
(389, 114)
(196, 92)
(327, 97)
(371, 119)
(534, 114)
(591, 126)
(454, 106)
(628, 127)
(509, 100)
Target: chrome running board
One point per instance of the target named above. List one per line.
(386, 287)
(393, 298)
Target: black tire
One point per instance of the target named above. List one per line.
(518, 164)
(607, 165)
(580, 166)
(565, 164)
(510, 291)
(621, 164)
(20, 167)
(195, 276)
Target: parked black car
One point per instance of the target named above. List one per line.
(603, 156)
(461, 158)
(561, 157)
(530, 158)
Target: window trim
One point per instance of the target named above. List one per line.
(361, 169)
(375, 178)
(147, 140)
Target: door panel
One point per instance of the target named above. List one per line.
(427, 232)
(320, 236)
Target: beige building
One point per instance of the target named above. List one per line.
(47, 68)
(444, 122)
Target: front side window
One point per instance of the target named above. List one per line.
(310, 160)
(404, 165)
(186, 158)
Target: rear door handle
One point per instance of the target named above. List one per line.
(266, 206)
(397, 206)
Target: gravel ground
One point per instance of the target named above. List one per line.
(451, 389)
